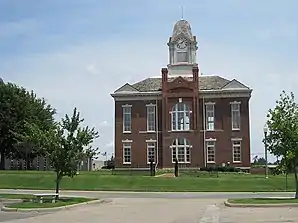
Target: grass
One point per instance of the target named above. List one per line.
(104, 180)
(28, 203)
(264, 201)
(59, 203)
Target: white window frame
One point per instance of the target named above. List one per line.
(126, 146)
(211, 143)
(237, 144)
(210, 116)
(236, 110)
(185, 117)
(126, 111)
(186, 147)
(151, 145)
(151, 124)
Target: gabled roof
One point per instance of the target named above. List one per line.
(126, 88)
(205, 83)
(234, 85)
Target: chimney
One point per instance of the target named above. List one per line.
(164, 72)
(195, 73)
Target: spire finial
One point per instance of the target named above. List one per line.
(182, 13)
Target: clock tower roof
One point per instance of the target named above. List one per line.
(182, 27)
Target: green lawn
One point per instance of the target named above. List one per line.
(61, 202)
(16, 196)
(263, 201)
(104, 180)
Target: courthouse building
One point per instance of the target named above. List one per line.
(201, 120)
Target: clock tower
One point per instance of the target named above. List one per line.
(182, 49)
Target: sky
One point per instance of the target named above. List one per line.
(74, 53)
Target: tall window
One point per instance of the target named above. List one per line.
(235, 113)
(180, 117)
(210, 149)
(181, 57)
(181, 150)
(126, 118)
(150, 151)
(210, 116)
(151, 118)
(126, 153)
(236, 151)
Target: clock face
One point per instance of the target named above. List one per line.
(182, 43)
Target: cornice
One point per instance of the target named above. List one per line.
(156, 95)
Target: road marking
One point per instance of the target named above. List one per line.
(211, 215)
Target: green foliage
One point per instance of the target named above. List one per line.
(19, 106)
(282, 138)
(65, 145)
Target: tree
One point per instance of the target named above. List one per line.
(282, 138)
(65, 145)
(17, 107)
(259, 161)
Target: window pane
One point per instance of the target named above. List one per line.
(180, 117)
(150, 118)
(126, 119)
(236, 151)
(210, 151)
(126, 153)
(150, 152)
(236, 119)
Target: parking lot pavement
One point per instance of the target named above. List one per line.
(258, 215)
(145, 210)
(9, 216)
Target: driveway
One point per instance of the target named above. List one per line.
(161, 210)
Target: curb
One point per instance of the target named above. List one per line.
(228, 204)
(7, 209)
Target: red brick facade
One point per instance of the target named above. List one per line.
(186, 91)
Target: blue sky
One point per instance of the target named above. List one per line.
(76, 52)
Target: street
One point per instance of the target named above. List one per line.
(158, 207)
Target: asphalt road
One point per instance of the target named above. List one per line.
(200, 205)
(8, 216)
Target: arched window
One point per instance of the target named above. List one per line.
(180, 117)
(181, 150)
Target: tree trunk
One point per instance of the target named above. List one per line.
(296, 180)
(58, 180)
(2, 159)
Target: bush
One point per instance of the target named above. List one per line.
(220, 169)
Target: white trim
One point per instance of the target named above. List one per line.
(236, 139)
(157, 95)
(127, 141)
(238, 146)
(235, 102)
(209, 103)
(123, 152)
(152, 113)
(210, 139)
(147, 151)
(149, 105)
(238, 110)
(149, 132)
(150, 140)
(185, 147)
(126, 106)
(123, 119)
